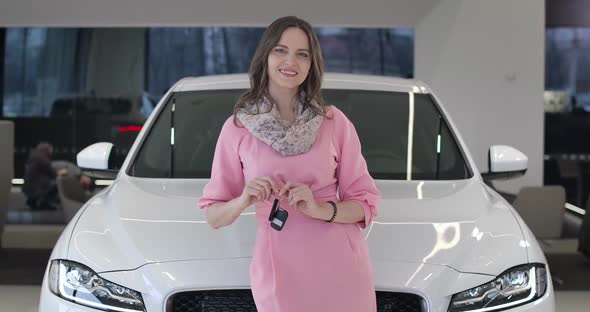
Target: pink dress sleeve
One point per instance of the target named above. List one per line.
(354, 181)
(227, 178)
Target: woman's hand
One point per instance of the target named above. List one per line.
(300, 197)
(257, 190)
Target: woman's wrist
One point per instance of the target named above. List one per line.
(241, 204)
(324, 211)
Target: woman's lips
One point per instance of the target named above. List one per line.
(288, 73)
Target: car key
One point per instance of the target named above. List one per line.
(278, 216)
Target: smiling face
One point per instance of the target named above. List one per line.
(290, 60)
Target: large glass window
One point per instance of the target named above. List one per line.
(567, 107)
(39, 66)
(381, 119)
(381, 51)
(44, 64)
(58, 80)
(567, 63)
(174, 53)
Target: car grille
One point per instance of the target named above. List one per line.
(241, 300)
(399, 302)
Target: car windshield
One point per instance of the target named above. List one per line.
(382, 120)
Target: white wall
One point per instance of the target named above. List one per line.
(485, 59)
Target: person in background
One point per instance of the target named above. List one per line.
(40, 187)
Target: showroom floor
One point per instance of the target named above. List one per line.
(34, 240)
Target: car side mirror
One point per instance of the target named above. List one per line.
(94, 161)
(505, 162)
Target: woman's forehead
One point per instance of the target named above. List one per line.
(294, 38)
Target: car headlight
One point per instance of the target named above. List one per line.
(77, 283)
(514, 287)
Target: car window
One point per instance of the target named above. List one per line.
(381, 118)
(435, 149)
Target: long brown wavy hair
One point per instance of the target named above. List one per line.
(259, 66)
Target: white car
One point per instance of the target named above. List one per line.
(443, 239)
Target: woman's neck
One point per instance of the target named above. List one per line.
(286, 101)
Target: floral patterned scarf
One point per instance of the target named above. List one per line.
(271, 129)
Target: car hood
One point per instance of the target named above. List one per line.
(458, 224)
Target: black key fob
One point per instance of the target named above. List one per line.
(280, 218)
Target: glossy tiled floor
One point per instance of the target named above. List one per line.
(572, 301)
(19, 298)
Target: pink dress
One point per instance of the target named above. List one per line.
(310, 265)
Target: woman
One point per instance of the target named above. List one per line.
(284, 142)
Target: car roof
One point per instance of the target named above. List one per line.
(331, 81)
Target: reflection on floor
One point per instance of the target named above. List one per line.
(27, 248)
(19, 213)
(570, 269)
(32, 236)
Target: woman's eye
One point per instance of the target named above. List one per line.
(280, 50)
(304, 55)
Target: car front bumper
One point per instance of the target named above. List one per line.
(159, 281)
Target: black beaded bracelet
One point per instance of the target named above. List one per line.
(335, 211)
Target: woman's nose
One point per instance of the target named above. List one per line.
(290, 58)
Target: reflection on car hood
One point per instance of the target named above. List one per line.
(452, 223)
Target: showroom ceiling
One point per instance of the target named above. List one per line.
(109, 13)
